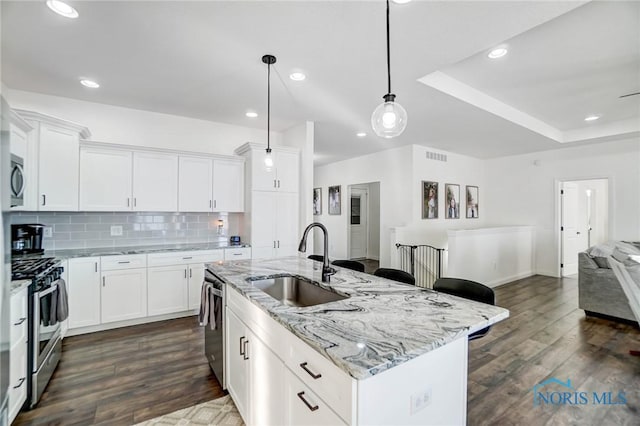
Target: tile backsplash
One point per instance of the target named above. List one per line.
(74, 230)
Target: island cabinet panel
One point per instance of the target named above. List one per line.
(304, 407)
(84, 291)
(266, 371)
(237, 335)
(168, 289)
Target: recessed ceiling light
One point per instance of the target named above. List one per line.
(297, 76)
(89, 83)
(401, 1)
(592, 118)
(497, 53)
(361, 134)
(251, 114)
(63, 9)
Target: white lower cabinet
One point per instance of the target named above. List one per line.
(123, 294)
(83, 285)
(237, 335)
(196, 277)
(304, 407)
(18, 353)
(168, 289)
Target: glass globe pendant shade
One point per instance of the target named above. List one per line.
(268, 160)
(389, 119)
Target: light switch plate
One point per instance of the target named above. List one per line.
(116, 231)
(420, 400)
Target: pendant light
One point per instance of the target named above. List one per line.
(268, 159)
(389, 119)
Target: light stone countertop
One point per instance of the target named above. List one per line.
(382, 324)
(18, 285)
(118, 251)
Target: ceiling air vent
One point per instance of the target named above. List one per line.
(436, 156)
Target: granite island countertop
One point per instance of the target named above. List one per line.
(382, 324)
(118, 251)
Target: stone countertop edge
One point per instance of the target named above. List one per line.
(121, 251)
(18, 285)
(382, 324)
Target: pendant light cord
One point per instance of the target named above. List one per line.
(268, 105)
(388, 52)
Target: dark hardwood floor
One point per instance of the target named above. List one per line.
(129, 375)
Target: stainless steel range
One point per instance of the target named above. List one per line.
(45, 341)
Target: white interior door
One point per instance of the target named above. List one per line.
(570, 228)
(358, 222)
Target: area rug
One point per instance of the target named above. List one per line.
(220, 411)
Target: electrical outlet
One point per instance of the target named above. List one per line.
(48, 232)
(116, 231)
(420, 400)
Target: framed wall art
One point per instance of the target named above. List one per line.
(452, 198)
(317, 201)
(429, 200)
(334, 200)
(472, 202)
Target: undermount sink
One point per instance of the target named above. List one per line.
(296, 291)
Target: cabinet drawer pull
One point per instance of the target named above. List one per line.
(311, 373)
(309, 406)
(20, 321)
(188, 257)
(20, 382)
(246, 350)
(237, 254)
(241, 346)
(124, 261)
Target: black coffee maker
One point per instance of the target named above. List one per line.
(27, 238)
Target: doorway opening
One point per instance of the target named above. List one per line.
(584, 219)
(363, 222)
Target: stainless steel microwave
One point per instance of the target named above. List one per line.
(17, 181)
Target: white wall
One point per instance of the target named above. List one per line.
(392, 168)
(302, 137)
(523, 190)
(127, 126)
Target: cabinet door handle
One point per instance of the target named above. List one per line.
(128, 201)
(246, 350)
(215, 204)
(278, 243)
(311, 373)
(185, 272)
(309, 406)
(278, 183)
(210, 204)
(135, 201)
(96, 266)
(190, 273)
(241, 346)
(44, 200)
(20, 321)
(103, 281)
(274, 183)
(20, 382)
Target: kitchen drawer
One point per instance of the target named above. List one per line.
(237, 253)
(304, 407)
(111, 263)
(184, 257)
(17, 379)
(321, 376)
(18, 315)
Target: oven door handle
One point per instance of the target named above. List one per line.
(50, 290)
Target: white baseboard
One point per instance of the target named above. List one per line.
(548, 273)
(137, 321)
(505, 280)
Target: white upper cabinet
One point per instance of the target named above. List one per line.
(155, 182)
(228, 186)
(284, 176)
(105, 179)
(262, 179)
(287, 171)
(19, 131)
(195, 184)
(57, 168)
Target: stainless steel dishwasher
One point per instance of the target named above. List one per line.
(214, 336)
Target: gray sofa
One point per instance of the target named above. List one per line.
(599, 291)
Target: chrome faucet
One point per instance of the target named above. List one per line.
(327, 271)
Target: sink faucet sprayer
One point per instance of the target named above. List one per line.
(327, 271)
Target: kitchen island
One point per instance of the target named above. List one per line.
(388, 353)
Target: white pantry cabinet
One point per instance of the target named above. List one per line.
(83, 285)
(155, 182)
(105, 179)
(283, 176)
(274, 224)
